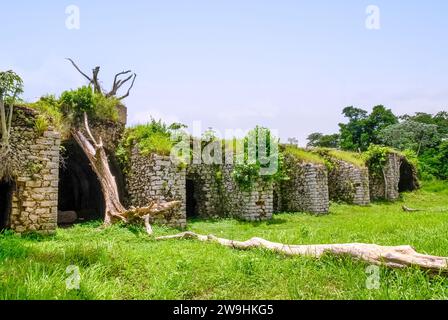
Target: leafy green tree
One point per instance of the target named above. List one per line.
(442, 160)
(11, 85)
(319, 140)
(363, 128)
(433, 158)
(411, 135)
(440, 120)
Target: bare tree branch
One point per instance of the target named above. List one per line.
(148, 227)
(117, 83)
(95, 81)
(130, 88)
(79, 70)
(86, 124)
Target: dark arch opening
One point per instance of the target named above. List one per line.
(408, 181)
(191, 199)
(79, 188)
(6, 190)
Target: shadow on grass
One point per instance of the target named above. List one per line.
(273, 221)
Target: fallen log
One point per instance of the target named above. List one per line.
(393, 257)
(407, 209)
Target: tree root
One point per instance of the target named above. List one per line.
(392, 257)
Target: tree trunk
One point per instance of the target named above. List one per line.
(114, 210)
(393, 257)
(4, 125)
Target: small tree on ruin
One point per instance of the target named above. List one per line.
(11, 86)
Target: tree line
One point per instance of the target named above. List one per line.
(421, 134)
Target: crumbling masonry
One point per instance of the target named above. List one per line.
(42, 184)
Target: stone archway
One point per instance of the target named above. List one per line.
(79, 188)
(408, 180)
(6, 190)
(191, 203)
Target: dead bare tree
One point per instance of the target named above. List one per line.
(114, 210)
(116, 86)
(392, 257)
(94, 150)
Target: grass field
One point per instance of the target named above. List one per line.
(124, 263)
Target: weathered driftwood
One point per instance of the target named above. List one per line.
(393, 257)
(114, 210)
(407, 209)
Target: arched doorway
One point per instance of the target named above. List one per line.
(191, 199)
(408, 180)
(6, 190)
(79, 188)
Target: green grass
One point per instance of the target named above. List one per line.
(303, 155)
(123, 263)
(350, 157)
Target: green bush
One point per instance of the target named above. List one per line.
(376, 157)
(75, 103)
(49, 114)
(433, 164)
(153, 137)
(105, 108)
(69, 109)
(246, 174)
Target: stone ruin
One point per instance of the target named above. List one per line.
(305, 191)
(398, 175)
(153, 177)
(212, 193)
(80, 196)
(29, 199)
(48, 180)
(347, 181)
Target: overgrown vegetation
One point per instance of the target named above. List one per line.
(356, 159)
(153, 137)
(49, 114)
(11, 86)
(123, 263)
(261, 160)
(66, 111)
(376, 157)
(303, 155)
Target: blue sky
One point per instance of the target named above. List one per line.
(289, 65)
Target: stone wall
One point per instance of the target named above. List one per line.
(110, 132)
(156, 178)
(306, 190)
(216, 194)
(348, 182)
(207, 191)
(36, 159)
(386, 185)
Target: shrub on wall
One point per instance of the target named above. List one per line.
(74, 103)
(247, 174)
(50, 114)
(376, 158)
(153, 137)
(63, 112)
